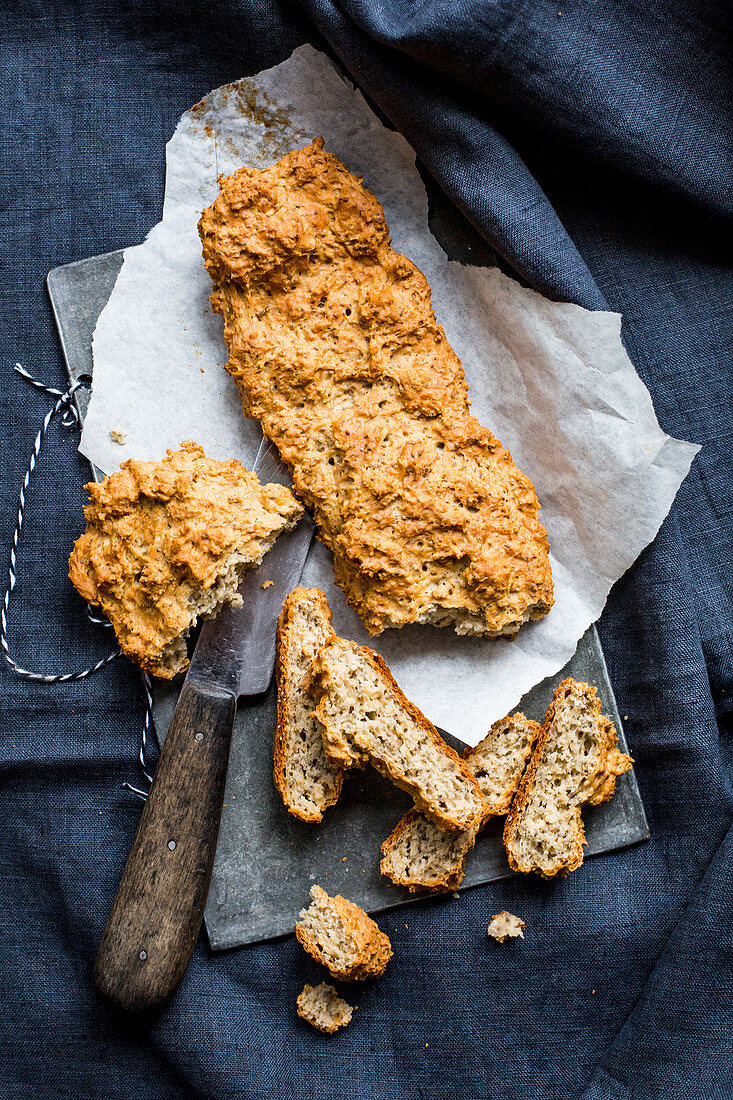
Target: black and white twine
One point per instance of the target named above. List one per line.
(70, 418)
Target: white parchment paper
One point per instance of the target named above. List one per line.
(551, 380)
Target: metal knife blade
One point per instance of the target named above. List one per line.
(236, 650)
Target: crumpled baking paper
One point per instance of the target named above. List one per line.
(552, 381)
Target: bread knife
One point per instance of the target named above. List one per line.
(157, 912)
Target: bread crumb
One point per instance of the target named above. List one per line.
(505, 925)
(344, 860)
(456, 894)
(118, 436)
(323, 1009)
(267, 584)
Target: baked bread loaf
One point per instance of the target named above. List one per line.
(419, 855)
(366, 718)
(167, 542)
(340, 935)
(336, 350)
(575, 763)
(305, 777)
(321, 1006)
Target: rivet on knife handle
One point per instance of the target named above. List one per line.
(159, 906)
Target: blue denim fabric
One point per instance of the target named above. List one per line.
(589, 143)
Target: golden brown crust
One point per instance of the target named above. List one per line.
(369, 948)
(336, 350)
(597, 787)
(348, 754)
(284, 718)
(161, 534)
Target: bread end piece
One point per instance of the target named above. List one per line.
(419, 855)
(321, 1007)
(576, 762)
(167, 543)
(308, 782)
(338, 934)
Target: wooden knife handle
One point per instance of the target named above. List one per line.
(159, 906)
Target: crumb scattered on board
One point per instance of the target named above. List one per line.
(504, 926)
(118, 436)
(267, 584)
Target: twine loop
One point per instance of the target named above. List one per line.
(66, 406)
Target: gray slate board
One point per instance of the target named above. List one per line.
(266, 860)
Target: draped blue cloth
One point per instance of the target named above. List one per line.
(589, 143)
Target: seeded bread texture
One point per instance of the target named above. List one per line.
(336, 350)
(339, 934)
(307, 780)
(167, 542)
(420, 856)
(575, 763)
(321, 1006)
(365, 717)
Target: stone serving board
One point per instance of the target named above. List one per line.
(266, 860)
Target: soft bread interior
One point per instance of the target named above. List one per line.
(366, 717)
(321, 1006)
(419, 855)
(206, 603)
(310, 781)
(578, 763)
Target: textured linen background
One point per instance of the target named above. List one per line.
(590, 143)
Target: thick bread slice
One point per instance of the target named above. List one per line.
(321, 1006)
(417, 854)
(306, 779)
(365, 717)
(340, 935)
(167, 542)
(575, 763)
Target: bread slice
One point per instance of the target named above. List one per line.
(575, 763)
(498, 762)
(420, 856)
(340, 935)
(321, 1006)
(307, 780)
(167, 542)
(365, 717)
